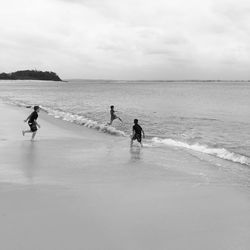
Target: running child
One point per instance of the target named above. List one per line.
(137, 132)
(113, 116)
(32, 121)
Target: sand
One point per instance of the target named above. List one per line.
(77, 188)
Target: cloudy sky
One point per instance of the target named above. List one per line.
(127, 39)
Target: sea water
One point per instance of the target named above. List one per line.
(207, 118)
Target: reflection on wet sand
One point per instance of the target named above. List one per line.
(135, 153)
(29, 152)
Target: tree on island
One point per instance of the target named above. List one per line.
(30, 75)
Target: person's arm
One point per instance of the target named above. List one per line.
(117, 111)
(133, 133)
(37, 124)
(143, 133)
(27, 118)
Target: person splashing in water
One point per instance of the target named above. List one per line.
(113, 116)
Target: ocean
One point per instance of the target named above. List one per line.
(210, 120)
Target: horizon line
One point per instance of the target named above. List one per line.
(155, 80)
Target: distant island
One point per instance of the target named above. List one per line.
(30, 75)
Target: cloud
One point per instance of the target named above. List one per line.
(115, 37)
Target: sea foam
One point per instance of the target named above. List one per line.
(218, 152)
(83, 121)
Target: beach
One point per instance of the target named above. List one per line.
(77, 188)
(101, 76)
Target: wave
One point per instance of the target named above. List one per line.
(70, 117)
(17, 103)
(218, 152)
(83, 121)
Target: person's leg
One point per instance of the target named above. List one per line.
(139, 139)
(33, 136)
(26, 131)
(111, 120)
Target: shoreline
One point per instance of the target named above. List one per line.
(77, 188)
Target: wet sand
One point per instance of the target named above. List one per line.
(77, 188)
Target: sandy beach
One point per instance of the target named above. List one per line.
(77, 188)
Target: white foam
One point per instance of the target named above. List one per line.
(16, 102)
(80, 120)
(77, 119)
(218, 152)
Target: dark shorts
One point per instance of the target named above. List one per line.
(33, 127)
(137, 137)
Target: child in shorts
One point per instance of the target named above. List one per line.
(113, 116)
(137, 133)
(32, 121)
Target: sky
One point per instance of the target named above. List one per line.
(127, 39)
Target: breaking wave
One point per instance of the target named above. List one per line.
(83, 121)
(218, 152)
